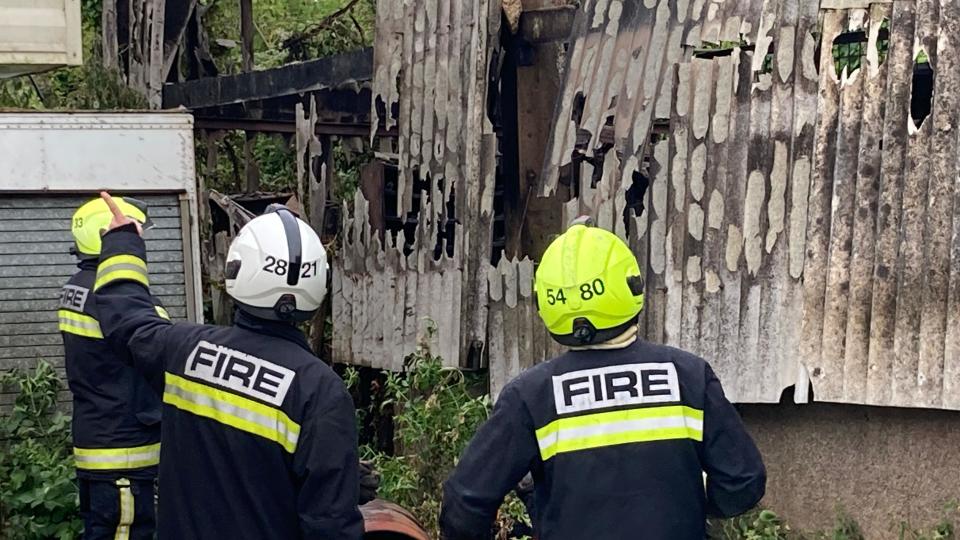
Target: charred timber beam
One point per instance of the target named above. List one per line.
(175, 19)
(328, 72)
(361, 129)
(547, 25)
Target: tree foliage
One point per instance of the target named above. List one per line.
(286, 31)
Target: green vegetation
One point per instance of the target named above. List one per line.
(89, 86)
(437, 411)
(766, 525)
(38, 497)
(286, 31)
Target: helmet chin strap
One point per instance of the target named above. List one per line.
(622, 341)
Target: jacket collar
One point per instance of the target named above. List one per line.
(624, 340)
(271, 328)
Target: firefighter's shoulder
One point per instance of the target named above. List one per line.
(687, 364)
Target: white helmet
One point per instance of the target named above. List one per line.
(277, 267)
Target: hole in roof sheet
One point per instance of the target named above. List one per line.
(634, 197)
(921, 97)
(851, 49)
(883, 42)
(577, 113)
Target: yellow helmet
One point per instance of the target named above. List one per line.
(589, 286)
(94, 216)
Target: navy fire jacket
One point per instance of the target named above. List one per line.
(116, 416)
(617, 442)
(259, 436)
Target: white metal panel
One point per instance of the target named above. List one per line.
(121, 152)
(91, 151)
(37, 35)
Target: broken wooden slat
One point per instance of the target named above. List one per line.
(862, 255)
(819, 206)
(908, 381)
(851, 4)
(657, 212)
(841, 232)
(804, 119)
(715, 187)
(884, 279)
(729, 363)
(511, 318)
(943, 177)
(700, 95)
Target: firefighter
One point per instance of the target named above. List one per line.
(116, 416)
(617, 432)
(259, 435)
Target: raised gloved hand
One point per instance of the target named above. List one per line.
(119, 219)
(369, 482)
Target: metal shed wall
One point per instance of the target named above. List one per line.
(798, 226)
(38, 35)
(432, 59)
(35, 263)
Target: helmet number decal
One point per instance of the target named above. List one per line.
(78, 222)
(276, 266)
(279, 267)
(554, 297)
(309, 269)
(589, 290)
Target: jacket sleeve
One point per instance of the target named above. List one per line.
(327, 468)
(129, 317)
(736, 477)
(498, 457)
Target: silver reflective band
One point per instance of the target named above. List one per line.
(79, 324)
(233, 415)
(618, 427)
(117, 458)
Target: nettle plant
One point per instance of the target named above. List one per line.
(38, 494)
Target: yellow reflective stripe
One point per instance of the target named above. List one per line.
(232, 410)
(135, 457)
(129, 267)
(127, 508)
(79, 324)
(162, 312)
(619, 427)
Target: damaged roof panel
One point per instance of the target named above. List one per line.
(798, 227)
(425, 282)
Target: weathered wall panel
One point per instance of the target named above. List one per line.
(392, 291)
(797, 228)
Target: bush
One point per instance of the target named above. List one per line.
(437, 411)
(755, 525)
(38, 496)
